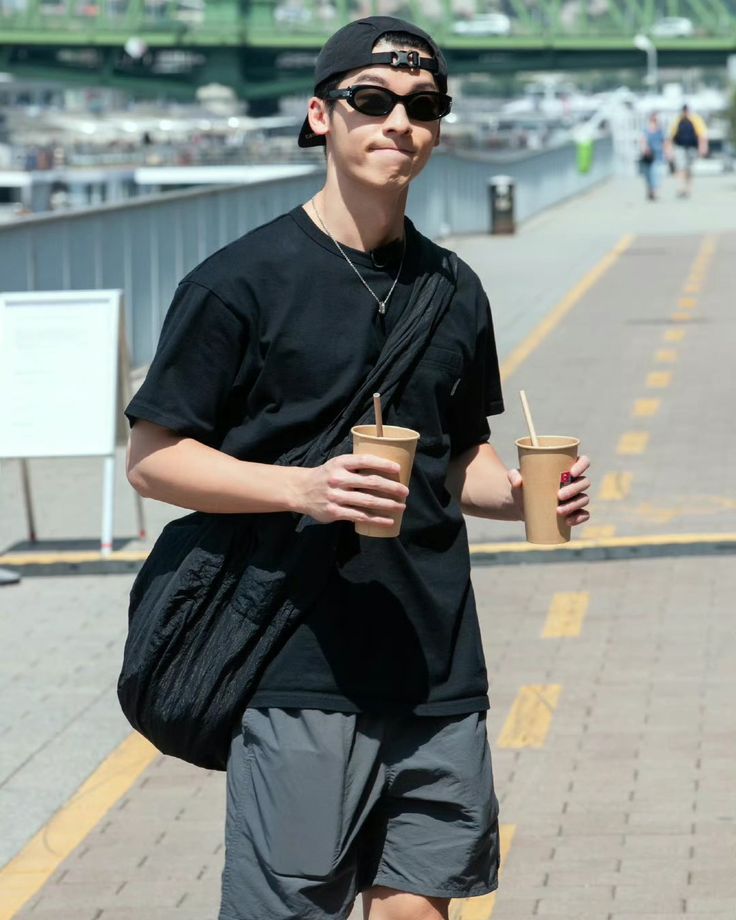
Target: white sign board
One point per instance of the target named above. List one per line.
(59, 372)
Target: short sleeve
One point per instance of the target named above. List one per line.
(478, 394)
(199, 355)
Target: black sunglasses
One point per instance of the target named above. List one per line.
(376, 101)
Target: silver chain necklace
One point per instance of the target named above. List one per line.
(381, 303)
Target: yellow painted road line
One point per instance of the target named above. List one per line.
(674, 335)
(663, 539)
(632, 442)
(687, 303)
(658, 380)
(645, 408)
(553, 319)
(566, 614)
(530, 718)
(702, 262)
(665, 355)
(26, 874)
(681, 317)
(71, 557)
(693, 287)
(615, 487)
(482, 908)
(598, 531)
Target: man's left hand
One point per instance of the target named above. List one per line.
(573, 496)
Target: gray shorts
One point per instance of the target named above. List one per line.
(684, 158)
(323, 805)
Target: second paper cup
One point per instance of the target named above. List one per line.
(541, 468)
(398, 445)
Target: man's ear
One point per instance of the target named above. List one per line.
(319, 116)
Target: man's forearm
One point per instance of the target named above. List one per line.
(191, 475)
(479, 481)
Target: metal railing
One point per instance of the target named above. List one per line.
(146, 245)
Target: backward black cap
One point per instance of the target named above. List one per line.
(352, 47)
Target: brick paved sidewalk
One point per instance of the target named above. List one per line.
(628, 810)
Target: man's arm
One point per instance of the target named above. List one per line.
(702, 132)
(485, 488)
(182, 471)
(480, 482)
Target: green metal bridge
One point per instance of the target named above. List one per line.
(265, 48)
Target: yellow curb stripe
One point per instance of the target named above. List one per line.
(530, 717)
(553, 319)
(665, 539)
(615, 487)
(482, 908)
(29, 871)
(659, 380)
(665, 355)
(478, 548)
(674, 335)
(566, 613)
(598, 531)
(644, 408)
(71, 557)
(632, 442)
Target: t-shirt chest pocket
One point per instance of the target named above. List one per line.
(439, 361)
(427, 397)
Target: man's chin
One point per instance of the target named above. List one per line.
(388, 170)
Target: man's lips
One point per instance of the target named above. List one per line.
(404, 150)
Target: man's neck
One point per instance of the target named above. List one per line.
(358, 217)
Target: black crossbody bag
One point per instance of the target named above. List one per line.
(220, 593)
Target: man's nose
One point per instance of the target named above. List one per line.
(398, 119)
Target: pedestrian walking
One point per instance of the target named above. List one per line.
(687, 141)
(361, 763)
(652, 158)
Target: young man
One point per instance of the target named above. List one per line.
(362, 763)
(687, 141)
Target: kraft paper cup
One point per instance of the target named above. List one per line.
(541, 468)
(397, 444)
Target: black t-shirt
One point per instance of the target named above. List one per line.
(264, 343)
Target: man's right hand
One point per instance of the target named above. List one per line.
(352, 487)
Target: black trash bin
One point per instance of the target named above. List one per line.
(501, 193)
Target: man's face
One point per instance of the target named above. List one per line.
(388, 150)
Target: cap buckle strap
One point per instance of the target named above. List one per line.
(405, 59)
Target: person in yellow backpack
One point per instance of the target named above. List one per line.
(687, 141)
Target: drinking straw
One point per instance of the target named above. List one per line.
(528, 417)
(379, 414)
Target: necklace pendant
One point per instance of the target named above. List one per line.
(382, 307)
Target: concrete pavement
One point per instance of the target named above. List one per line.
(611, 721)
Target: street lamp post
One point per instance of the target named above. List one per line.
(644, 43)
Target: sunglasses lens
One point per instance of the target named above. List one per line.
(372, 100)
(376, 101)
(426, 107)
